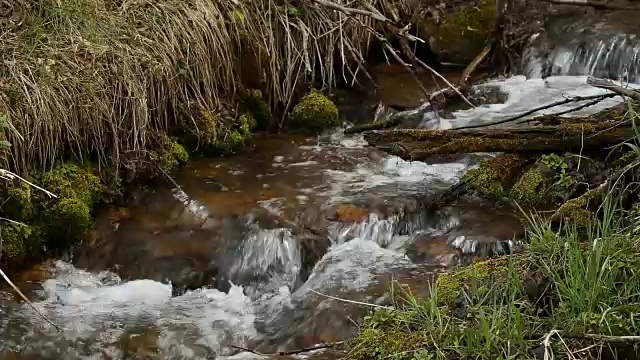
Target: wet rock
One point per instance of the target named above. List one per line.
(136, 248)
(465, 234)
(317, 319)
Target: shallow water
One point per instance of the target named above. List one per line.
(253, 238)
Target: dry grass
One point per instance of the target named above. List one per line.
(101, 79)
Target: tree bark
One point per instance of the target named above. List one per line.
(422, 144)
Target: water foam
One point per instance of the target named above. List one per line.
(525, 94)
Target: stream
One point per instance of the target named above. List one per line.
(252, 248)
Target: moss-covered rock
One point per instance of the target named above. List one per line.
(17, 202)
(494, 176)
(224, 133)
(314, 113)
(68, 222)
(254, 104)
(15, 239)
(451, 284)
(173, 155)
(462, 30)
(71, 181)
(578, 211)
(530, 188)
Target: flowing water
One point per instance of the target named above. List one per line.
(250, 249)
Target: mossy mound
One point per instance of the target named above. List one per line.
(16, 239)
(66, 220)
(17, 204)
(578, 211)
(71, 181)
(530, 188)
(494, 176)
(314, 113)
(224, 133)
(173, 155)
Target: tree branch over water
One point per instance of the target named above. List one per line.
(601, 5)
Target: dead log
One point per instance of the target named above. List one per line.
(610, 85)
(421, 144)
(598, 5)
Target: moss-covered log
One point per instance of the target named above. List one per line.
(422, 144)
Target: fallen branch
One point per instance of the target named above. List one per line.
(466, 74)
(611, 86)
(539, 108)
(15, 288)
(292, 352)
(594, 4)
(577, 108)
(394, 120)
(419, 144)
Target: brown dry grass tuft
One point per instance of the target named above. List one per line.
(101, 79)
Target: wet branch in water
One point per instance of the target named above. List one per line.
(539, 108)
(292, 352)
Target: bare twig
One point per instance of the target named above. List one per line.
(577, 108)
(352, 301)
(474, 64)
(15, 288)
(9, 176)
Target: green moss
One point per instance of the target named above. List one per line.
(493, 175)
(450, 285)
(466, 31)
(314, 113)
(70, 181)
(576, 211)
(173, 155)
(221, 135)
(68, 222)
(15, 239)
(254, 104)
(17, 203)
(531, 187)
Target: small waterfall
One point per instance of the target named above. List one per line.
(269, 253)
(614, 56)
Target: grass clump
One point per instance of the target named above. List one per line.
(100, 79)
(571, 285)
(314, 113)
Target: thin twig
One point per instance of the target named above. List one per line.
(291, 352)
(15, 288)
(586, 105)
(539, 108)
(9, 175)
(352, 301)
